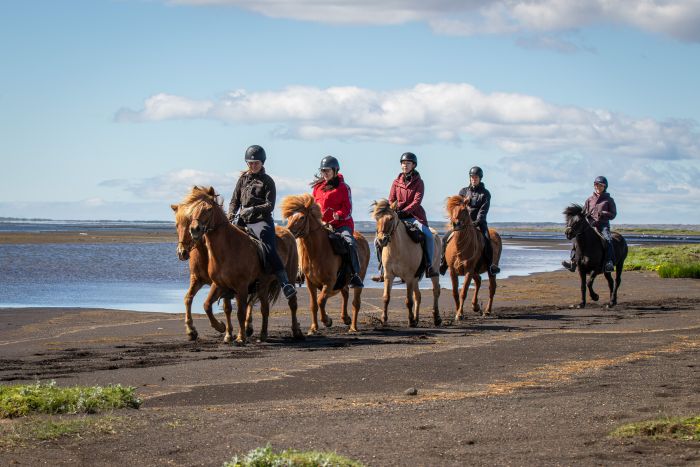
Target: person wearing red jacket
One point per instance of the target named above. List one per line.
(407, 191)
(334, 197)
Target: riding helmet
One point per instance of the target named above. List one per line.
(330, 162)
(476, 171)
(255, 153)
(602, 180)
(409, 156)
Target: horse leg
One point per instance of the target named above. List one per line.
(455, 289)
(313, 291)
(296, 329)
(241, 307)
(214, 293)
(463, 296)
(265, 311)
(410, 286)
(356, 301)
(417, 299)
(492, 292)
(388, 282)
(437, 320)
(249, 320)
(322, 300)
(195, 285)
(618, 281)
(582, 277)
(227, 311)
(475, 298)
(345, 294)
(594, 296)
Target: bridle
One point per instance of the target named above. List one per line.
(386, 237)
(207, 228)
(306, 228)
(570, 232)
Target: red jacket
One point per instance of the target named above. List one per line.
(409, 196)
(337, 200)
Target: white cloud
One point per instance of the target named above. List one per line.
(513, 123)
(679, 19)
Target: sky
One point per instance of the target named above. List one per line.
(114, 109)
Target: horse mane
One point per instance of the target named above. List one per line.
(453, 202)
(300, 203)
(197, 195)
(573, 210)
(381, 207)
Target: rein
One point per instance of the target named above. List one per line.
(299, 234)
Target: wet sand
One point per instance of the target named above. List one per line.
(536, 383)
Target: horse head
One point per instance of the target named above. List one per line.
(203, 208)
(184, 240)
(458, 212)
(576, 221)
(302, 213)
(387, 220)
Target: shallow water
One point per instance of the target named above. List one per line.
(149, 277)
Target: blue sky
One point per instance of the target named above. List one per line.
(113, 109)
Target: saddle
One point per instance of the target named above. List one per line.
(417, 236)
(341, 249)
(267, 268)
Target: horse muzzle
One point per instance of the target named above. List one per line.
(569, 233)
(383, 241)
(197, 232)
(183, 253)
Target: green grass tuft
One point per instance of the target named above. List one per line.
(686, 429)
(265, 457)
(21, 400)
(673, 261)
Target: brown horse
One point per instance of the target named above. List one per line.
(464, 255)
(196, 253)
(234, 264)
(318, 262)
(402, 257)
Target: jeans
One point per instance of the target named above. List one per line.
(429, 242)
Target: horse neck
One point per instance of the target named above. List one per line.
(400, 238)
(468, 240)
(225, 238)
(316, 241)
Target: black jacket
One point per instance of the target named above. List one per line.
(256, 191)
(479, 202)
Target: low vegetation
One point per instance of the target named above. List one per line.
(265, 457)
(686, 429)
(43, 428)
(672, 261)
(48, 398)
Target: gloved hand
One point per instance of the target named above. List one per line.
(402, 214)
(246, 213)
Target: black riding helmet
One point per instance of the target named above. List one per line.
(476, 170)
(409, 156)
(330, 162)
(255, 153)
(602, 180)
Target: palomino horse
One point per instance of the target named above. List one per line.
(319, 263)
(402, 257)
(234, 264)
(196, 253)
(464, 255)
(590, 253)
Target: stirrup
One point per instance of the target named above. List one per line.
(494, 269)
(609, 266)
(430, 272)
(355, 281)
(288, 290)
(378, 278)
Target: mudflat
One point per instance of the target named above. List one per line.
(536, 383)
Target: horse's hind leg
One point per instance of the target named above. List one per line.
(356, 302)
(615, 285)
(411, 302)
(296, 329)
(265, 311)
(475, 298)
(437, 320)
(345, 294)
(241, 307)
(417, 297)
(594, 296)
(492, 293)
(249, 320)
(582, 277)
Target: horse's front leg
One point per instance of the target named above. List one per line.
(475, 298)
(249, 320)
(437, 320)
(195, 285)
(582, 278)
(410, 285)
(356, 302)
(214, 293)
(454, 278)
(242, 306)
(611, 286)
(463, 296)
(416, 303)
(345, 294)
(492, 292)
(323, 297)
(296, 329)
(313, 294)
(386, 298)
(594, 296)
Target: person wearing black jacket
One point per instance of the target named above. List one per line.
(251, 206)
(479, 203)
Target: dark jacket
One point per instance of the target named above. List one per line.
(335, 200)
(409, 195)
(479, 202)
(601, 208)
(255, 191)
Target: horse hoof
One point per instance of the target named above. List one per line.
(412, 323)
(240, 342)
(193, 335)
(595, 297)
(329, 322)
(437, 321)
(249, 331)
(221, 327)
(312, 332)
(347, 320)
(459, 317)
(227, 339)
(476, 308)
(262, 338)
(610, 305)
(353, 331)
(297, 335)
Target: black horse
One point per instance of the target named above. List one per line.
(590, 253)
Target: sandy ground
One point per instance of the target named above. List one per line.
(537, 383)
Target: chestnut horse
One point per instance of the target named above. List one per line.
(196, 253)
(464, 255)
(319, 263)
(401, 257)
(234, 264)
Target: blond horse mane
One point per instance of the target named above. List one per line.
(305, 204)
(197, 195)
(382, 207)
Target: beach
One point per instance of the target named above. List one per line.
(537, 382)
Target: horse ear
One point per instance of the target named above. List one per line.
(174, 207)
(394, 205)
(211, 191)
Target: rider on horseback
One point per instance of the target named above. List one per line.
(251, 207)
(600, 207)
(407, 191)
(334, 197)
(479, 203)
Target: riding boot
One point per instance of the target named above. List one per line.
(610, 263)
(355, 280)
(571, 265)
(379, 277)
(287, 287)
(488, 256)
(443, 261)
